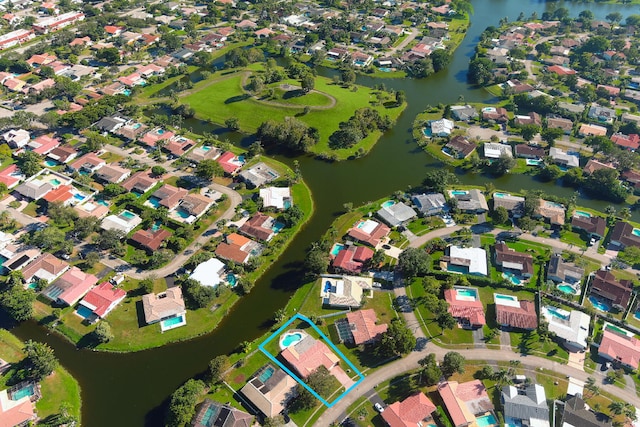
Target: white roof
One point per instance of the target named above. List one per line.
(575, 329)
(476, 256)
(575, 387)
(208, 272)
(494, 150)
(442, 126)
(274, 196)
(117, 222)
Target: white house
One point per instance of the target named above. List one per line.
(442, 127)
(209, 273)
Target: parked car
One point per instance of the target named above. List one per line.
(378, 407)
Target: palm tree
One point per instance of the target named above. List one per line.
(501, 377)
(625, 213)
(616, 407)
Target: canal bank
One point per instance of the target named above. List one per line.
(131, 389)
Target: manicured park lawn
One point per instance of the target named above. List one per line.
(57, 388)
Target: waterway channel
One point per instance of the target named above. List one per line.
(132, 389)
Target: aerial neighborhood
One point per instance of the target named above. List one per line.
(172, 172)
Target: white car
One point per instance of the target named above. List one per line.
(379, 407)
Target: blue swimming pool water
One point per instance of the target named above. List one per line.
(136, 192)
(79, 197)
(154, 201)
(459, 192)
(291, 338)
(388, 204)
(156, 226)
(172, 321)
(599, 304)
(567, 289)
(160, 131)
(617, 330)
(50, 163)
(231, 279)
(102, 202)
(533, 162)
(182, 213)
(556, 313)
(286, 204)
(501, 195)
(636, 232)
(385, 69)
(32, 285)
(327, 286)
(128, 215)
(137, 125)
(512, 278)
(506, 297)
(466, 293)
(28, 391)
(241, 159)
(457, 269)
(277, 226)
(207, 418)
(336, 249)
(266, 374)
(583, 213)
(206, 148)
(486, 421)
(427, 132)
(84, 312)
(55, 182)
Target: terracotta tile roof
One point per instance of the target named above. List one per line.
(409, 412)
(621, 348)
(372, 238)
(471, 310)
(509, 258)
(363, 326)
(225, 161)
(606, 285)
(159, 306)
(74, 283)
(463, 401)
(623, 233)
(352, 258)
(62, 153)
(231, 250)
(170, 196)
(89, 158)
(594, 165)
(631, 142)
(103, 298)
(308, 355)
(255, 228)
(46, 262)
(593, 224)
(521, 317)
(461, 145)
(196, 204)
(141, 181)
(60, 194)
(151, 239)
(18, 415)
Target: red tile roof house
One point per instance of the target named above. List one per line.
(500, 115)
(594, 165)
(510, 260)
(628, 142)
(90, 163)
(102, 299)
(43, 144)
(515, 314)
(369, 232)
(234, 249)
(153, 136)
(140, 182)
(11, 176)
(16, 413)
(352, 259)
(620, 348)
(414, 411)
(594, 226)
(467, 310)
(70, 287)
(363, 327)
(46, 267)
(605, 285)
(229, 162)
(170, 196)
(623, 236)
(632, 177)
(460, 147)
(150, 240)
(62, 194)
(259, 227)
(465, 401)
(179, 145)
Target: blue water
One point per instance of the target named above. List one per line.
(28, 391)
(172, 321)
(32, 285)
(51, 163)
(208, 415)
(241, 159)
(154, 201)
(388, 204)
(567, 289)
(126, 92)
(156, 226)
(599, 304)
(286, 204)
(231, 279)
(79, 197)
(291, 339)
(84, 312)
(266, 374)
(427, 132)
(466, 293)
(512, 278)
(583, 213)
(137, 125)
(55, 182)
(336, 249)
(277, 226)
(102, 202)
(127, 215)
(555, 313)
(136, 192)
(486, 421)
(459, 193)
(206, 148)
(505, 297)
(54, 293)
(386, 70)
(182, 213)
(636, 232)
(327, 286)
(160, 131)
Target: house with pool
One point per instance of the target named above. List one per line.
(623, 235)
(112, 174)
(467, 403)
(92, 207)
(258, 175)
(572, 327)
(563, 272)
(415, 410)
(619, 346)
(261, 227)
(465, 261)
(525, 406)
(551, 211)
(140, 182)
(513, 204)
(593, 225)
(150, 240)
(87, 164)
(46, 267)
(351, 259)
(465, 306)
(269, 390)
(276, 197)
(344, 291)
(100, 301)
(166, 308)
(209, 273)
(514, 314)
(17, 406)
(369, 232)
(459, 147)
(214, 414)
(607, 292)
(238, 248)
(470, 201)
(516, 266)
(123, 222)
(70, 287)
(429, 204)
(193, 206)
(167, 196)
(396, 213)
(204, 152)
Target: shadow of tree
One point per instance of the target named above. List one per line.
(238, 98)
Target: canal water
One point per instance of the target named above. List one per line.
(132, 389)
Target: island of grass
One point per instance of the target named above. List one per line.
(59, 389)
(127, 323)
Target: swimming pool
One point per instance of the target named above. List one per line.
(506, 297)
(206, 148)
(427, 132)
(617, 330)
(160, 131)
(567, 289)
(385, 69)
(79, 197)
(277, 226)
(154, 201)
(172, 322)
(126, 92)
(137, 125)
(336, 249)
(636, 232)
(84, 312)
(512, 278)
(501, 195)
(208, 417)
(486, 421)
(55, 182)
(231, 280)
(469, 293)
(598, 304)
(32, 285)
(388, 204)
(583, 213)
(533, 162)
(555, 312)
(266, 374)
(459, 192)
(127, 215)
(102, 202)
(182, 213)
(27, 391)
(290, 338)
(156, 226)
(50, 163)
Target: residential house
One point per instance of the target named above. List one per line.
(464, 402)
(627, 142)
(561, 271)
(512, 261)
(529, 152)
(623, 235)
(155, 136)
(560, 123)
(594, 165)
(344, 291)
(195, 205)
(513, 204)
(572, 108)
(16, 138)
(112, 174)
(592, 130)
(54, 23)
(442, 127)
(415, 410)
(214, 414)
(40, 60)
(494, 150)
(620, 347)
(63, 194)
(471, 201)
(561, 70)
(605, 285)
(429, 204)
(11, 176)
(514, 314)
(124, 222)
(460, 147)
(16, 413)
(43, 144)
(632, 177)
(369, 231)
(575, 412)
(45, 267)
(209, 273)
(532, 118)
(62, 154)
(363, 328)
(259, 226)
(571, 327)
(258, 175)
(308, 354)
(178, 145)
(34, 189)
(88, 163)
(601, 114)
(236, 248)
(140, 182)
(167, 196)
(465, 260)
(151, 240)
(102, 299)
(465, 306)
(111, 123)
(276, 197)
(70, 287)
(562, 158)
(463, 112)
(162, 306)
(594, 226)
(204, 152)
(269, 389)
(352, 259)
(498, 115)
(230, 162)
(18, 257)
(396, 214)
(630, 118)
(15, 37)
(552, 211)
(92, 208)
(525, 406)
